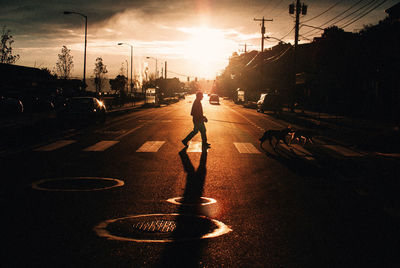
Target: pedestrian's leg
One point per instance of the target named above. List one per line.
(202, 129)
(190, 135)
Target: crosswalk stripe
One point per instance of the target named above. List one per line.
(246, 148)
(342, 150)
(100, 146)
(55, 145)
(195, 147)
(150, 146)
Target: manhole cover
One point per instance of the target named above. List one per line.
(203, 201)
(76, 184)
(156, 226)
(161, 228)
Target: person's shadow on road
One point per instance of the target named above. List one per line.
(195, 180)
(187, 245)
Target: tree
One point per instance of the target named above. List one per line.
(6, 55)
(118, 84)
(99, 70)
(64, 64)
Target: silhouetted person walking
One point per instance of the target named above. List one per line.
(198, 121)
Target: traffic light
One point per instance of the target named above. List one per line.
(303, 9)
(291, 9)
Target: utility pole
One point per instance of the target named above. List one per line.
(262, 30)
(165, 69)
(299, 8)
(245, 47)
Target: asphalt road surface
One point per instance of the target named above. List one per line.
(127, 194)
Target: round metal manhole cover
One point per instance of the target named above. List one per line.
(161, 228)
(77, 184)
(203, 201)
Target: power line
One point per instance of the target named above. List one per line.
(337, 16)
(287, 33)
(281, 55)
(370, 3)
(338, 2)
(262, 10)
(363, 15)
(366, 6)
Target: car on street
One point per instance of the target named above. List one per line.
(214, 99)
(83, 109)
(269, 102)
(10, 106)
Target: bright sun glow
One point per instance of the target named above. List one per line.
(206, 48)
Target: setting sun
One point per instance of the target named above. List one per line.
(206, 48)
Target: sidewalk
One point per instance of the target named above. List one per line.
(380, 137)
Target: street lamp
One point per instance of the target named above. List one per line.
(156, 65)
(131, 61)
(84, 53)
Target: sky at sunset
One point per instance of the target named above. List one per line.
(196, 38)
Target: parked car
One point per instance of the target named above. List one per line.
(10, 106)
(83, 109)
(40, 104)
(269, 102)
(214, 99)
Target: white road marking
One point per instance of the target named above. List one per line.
(100, 146)
(246, 148)
(255, 125)
(55, 145)
(151, 146)
(342, 150)
(128, 132)
(195, 147)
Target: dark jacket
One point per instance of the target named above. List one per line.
(197, 112)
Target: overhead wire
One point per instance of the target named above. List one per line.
(370, 3)
(320, 14)
(281, 55)
(363, 15)
(287, 33)
(265, 6)
(337, 16)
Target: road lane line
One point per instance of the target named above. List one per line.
(100, 146)
(55, 145)
(246, 148)
(128, 132)
(254, 124)
(150, 146)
